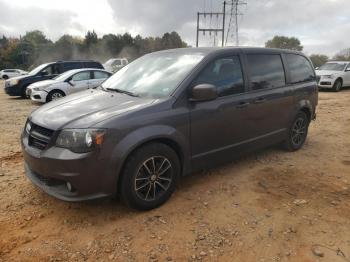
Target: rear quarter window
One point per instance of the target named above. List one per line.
(300, 69)
(266, 71)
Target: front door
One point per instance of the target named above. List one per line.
(347, 76)
(80, 81)
(218, 126)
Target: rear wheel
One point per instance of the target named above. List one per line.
(338, 84)
(297, 132)
(54, 95)
(149, 176)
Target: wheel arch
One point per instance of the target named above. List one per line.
(339, 78)
(306, 107)
(53, 90)
(173, 140)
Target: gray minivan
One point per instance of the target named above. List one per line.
(166, 115)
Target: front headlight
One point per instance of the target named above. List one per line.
(80, 140)
(14, 82)
(329, 76)
(28, 127)
(36, 89)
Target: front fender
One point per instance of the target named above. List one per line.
(147, 134)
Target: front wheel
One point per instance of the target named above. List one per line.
(337, 85)
(54, 95)
(297, 132)
(149, 176)
(5, 77)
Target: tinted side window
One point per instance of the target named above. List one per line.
(93, 65)
(225, 73)
(266, 71)
(72, 65)
(53, 69)
(300, 68)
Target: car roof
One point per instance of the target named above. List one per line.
(73, 71)
(218, 50)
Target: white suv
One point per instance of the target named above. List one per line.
(334, 75)
(115, 64)
(9, 73)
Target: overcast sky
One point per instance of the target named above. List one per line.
(321, 25)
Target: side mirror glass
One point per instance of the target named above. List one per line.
(203, 92)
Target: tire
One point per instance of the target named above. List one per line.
(5, 77)
(24, 94)
(140, 187)
(297, 132)
(54, 95)
(337, 86)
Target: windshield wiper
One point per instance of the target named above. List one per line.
(122, 91)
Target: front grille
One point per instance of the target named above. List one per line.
(39, 137)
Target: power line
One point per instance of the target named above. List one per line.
(235, 12)
(210, 29)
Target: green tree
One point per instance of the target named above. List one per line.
(284, 42)
(318, 59)
(91, 38)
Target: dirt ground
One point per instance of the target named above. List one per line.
(269, 206)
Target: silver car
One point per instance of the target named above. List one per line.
(69, 82)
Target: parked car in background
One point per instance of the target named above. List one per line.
(67, 83)
(334, 75)
(17, 86)
(165, 115)
(115, 64)
(8, 73)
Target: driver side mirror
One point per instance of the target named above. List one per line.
(203, 92)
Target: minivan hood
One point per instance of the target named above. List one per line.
(20, 77)
(327, 72)
(85, 109)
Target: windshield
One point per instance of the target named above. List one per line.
(155, 75)
(38, 69)
(333, 66)
(63, 76)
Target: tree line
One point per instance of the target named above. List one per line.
(293, 43)
(35, 48)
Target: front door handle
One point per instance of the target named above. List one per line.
(260, 100)
(242, 104)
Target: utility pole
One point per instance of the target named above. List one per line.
(210, 30)
(234, 13)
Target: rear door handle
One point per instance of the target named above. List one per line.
(260, 100)
(242, 104)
